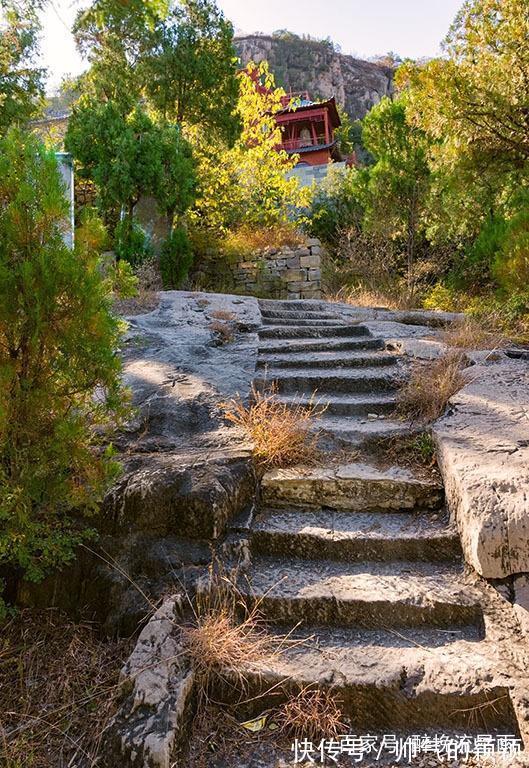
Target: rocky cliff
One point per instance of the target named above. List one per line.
(316, 67)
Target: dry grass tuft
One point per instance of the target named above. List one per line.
(469, 333)
(58, 690)
(223, 314)
(281, 434)
(366, 297)
(223, 331)
(145, 301)
(312, 714)
(426, 393)
(248, 240)
(222, 649)
(227, 638)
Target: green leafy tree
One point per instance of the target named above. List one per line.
(474, 104)
(248, 183)
(397, 185)
(113, 34)
(190, 68)
(21, 81)
(177, 56)
(477, 97)
(176, 258)
(337, 205)
(177, 186)
(345, 133)
(128, 157)
(120, 153)
(59, 374)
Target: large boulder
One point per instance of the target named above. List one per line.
(483, 452)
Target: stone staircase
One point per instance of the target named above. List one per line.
(362, 564)
(309, 355)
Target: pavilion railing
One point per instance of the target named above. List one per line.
(292, 145)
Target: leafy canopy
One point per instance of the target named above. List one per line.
(21, 81)
(189, 68)
(176, 57)
(248, 183)
(129, 156)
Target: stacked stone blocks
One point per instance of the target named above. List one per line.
(282, 273)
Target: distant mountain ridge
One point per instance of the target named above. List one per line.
(316, 67)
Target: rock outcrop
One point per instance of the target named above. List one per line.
(483, 451)
(309, 65)
(147, 728)
(186, 473)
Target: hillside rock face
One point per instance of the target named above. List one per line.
(309, 65)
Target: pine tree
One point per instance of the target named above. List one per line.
(59, 373)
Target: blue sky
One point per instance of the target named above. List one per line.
(412, 28)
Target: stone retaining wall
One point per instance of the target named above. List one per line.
(282, 273)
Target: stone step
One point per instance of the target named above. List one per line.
(357, 431)
(302, 332)
(283, 314)
(315, 345)
(294, 305)
(354, 536)
(322, 381)
(355, 486)
(369, 595)
(326, 360)
(286, 322)
(391, 682)
(345, 405)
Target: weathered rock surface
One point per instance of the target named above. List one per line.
(159, 686)
(483, 451)
(307, 65)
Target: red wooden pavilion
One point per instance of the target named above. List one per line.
(308, 129)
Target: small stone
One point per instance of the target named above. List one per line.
(293, 274)
(310, 261)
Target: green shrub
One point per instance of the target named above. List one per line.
(57, 347)
(336, 206)
(176, 258)
(442, 297)
(511, 264)
(476, 267)
(131, 243)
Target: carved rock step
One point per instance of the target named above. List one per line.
(294, 305)
(309, 332)
(293, 380)
(368, 595)
(326, 360)
(359, 431)
(287, 322)
(354, 536)
(344, 405)
(315, 345)
(357, 487)
(283, 314)
(395, 681)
